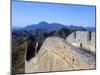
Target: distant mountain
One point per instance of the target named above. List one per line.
(16, 28)
(48, 27)
(90, 29)
(63, 32)
(72, 27)
(45, 26)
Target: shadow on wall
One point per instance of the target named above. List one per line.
(32, 49)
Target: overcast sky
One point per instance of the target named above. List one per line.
(27, 13)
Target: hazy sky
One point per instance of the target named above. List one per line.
(27, 13)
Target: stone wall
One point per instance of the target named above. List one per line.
(58, 55)
(82, 39)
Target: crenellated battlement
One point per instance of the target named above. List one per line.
(84, 39)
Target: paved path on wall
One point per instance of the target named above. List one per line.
(86, 55)
(89, 56)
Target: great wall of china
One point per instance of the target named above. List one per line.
(57, 54)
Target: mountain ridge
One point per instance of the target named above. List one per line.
(54, 26)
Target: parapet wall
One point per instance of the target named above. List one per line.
(82, 39)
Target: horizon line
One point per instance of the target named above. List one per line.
(52, 23)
